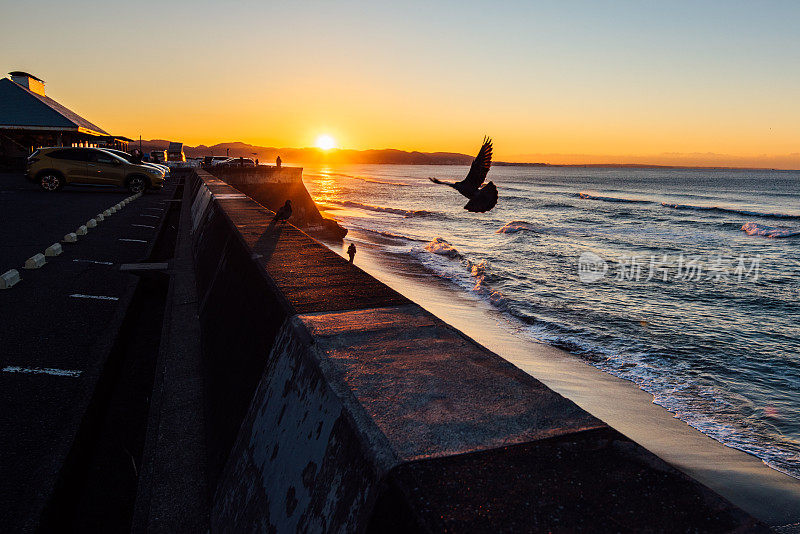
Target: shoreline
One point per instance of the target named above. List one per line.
(742, 478)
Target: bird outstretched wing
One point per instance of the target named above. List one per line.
(479, 169)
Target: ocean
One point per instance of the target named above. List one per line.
(685, 282)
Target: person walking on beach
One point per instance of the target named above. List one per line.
(278, 162)
(351, 251)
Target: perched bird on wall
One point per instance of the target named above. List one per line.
(284, 213)
(481, 199)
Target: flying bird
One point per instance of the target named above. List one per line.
(481, 199)
(283, 213)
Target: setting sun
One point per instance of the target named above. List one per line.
(325, 142)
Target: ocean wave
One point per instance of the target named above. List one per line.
(556, 206)
(701, 407)
(476, 276)
(718, 209)
(373, 181)
(384, 209)
(355, 177)
(441, 247)
(763, 230)
(516, 226)
(591, 196)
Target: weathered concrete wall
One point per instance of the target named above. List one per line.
(338, 405)
(271, 187)
(257, 175)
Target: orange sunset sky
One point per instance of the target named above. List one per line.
(683, 83)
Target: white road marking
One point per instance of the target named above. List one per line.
(97, 297)
(143, 225)
(157, 209)
(144, 266)
(151, 216)
(94, 261)
(42, 371)
(132, 240)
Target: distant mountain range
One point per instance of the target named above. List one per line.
(383, 156)
(315, 155)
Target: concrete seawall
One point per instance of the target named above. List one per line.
(272, 186)
(336, 404)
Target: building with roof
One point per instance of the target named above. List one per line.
(30, 119)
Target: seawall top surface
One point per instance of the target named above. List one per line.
(309, 276)
(432, 391)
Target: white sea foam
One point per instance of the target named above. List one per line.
(763, 230)
(443, 248)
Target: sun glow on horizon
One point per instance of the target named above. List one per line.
(326, 142)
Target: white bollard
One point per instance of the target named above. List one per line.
(91, 223)
(113, 209)
(72, 237)
(53, 250)
(82, 230)
(35, 261)
(108, 213)
(9, 278)
(100, 217)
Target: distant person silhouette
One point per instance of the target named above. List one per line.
(137, 156)
(283, 214)
(278, 162)
(256, 162)
(351, 251)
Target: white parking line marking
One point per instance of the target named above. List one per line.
(93, 261)
(42, 371)
(97, 297)
(143, 226)
(132, 240)
(157, 209)
(151, 216)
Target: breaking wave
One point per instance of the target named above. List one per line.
(384, 209)
(516, 226)
(763, 230)
(718, 209)
(443, 248)
(591, 196)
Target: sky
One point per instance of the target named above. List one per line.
(705, 83)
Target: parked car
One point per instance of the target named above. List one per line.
(158, 156)
(129, 158)
(214, 160)
(54, 167)
(237, 162)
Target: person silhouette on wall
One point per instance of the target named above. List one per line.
(351, 251)
(278, 162)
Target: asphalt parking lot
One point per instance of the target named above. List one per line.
(58, 323)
